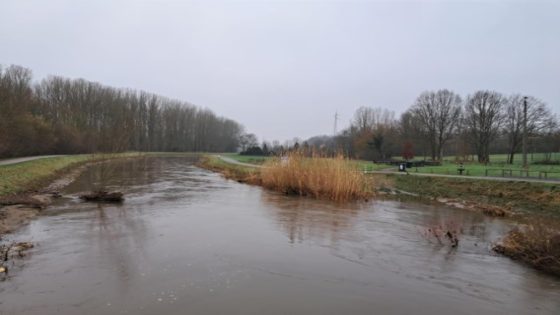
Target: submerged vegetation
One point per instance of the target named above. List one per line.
(20, 177)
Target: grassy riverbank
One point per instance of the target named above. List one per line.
(32, 175)
(523, 198)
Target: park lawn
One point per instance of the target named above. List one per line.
(495, 158)
(492, 169)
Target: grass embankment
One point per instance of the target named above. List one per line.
(516, 197)
(32, 175)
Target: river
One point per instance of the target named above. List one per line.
(187, 241)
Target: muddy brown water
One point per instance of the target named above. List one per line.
(187, 241)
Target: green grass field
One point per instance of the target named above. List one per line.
(497, 167)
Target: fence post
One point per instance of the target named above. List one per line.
(486, 172)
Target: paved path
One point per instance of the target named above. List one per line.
(232, 161)
(389, 172)
(25, 159)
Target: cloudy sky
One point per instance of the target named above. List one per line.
(283, 68)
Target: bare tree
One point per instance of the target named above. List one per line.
(483, 119)
(438, 114)
(539, 117)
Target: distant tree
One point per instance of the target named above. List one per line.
(254, 150)
(483, 119)
(437, 114)
(265, 148)
(539, 118)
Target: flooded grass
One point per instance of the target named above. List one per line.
(20, 177)
(536, 244)
(335, 179)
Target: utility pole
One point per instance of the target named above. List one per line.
(525, 132)
(335, 122)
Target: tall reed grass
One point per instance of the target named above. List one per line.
(336, 179)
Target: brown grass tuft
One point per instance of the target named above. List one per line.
(537, 245)
(336, 179)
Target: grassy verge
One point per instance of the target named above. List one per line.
(31, 175)
(517, 197)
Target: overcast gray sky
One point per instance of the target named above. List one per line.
(282, 68)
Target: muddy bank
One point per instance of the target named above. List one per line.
(16, 210)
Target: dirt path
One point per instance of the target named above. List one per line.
(25, 159)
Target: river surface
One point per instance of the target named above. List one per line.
(187, 241)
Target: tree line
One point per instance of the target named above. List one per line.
(441, 123)
(64, 116)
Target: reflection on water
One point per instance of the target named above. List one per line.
(187, 241)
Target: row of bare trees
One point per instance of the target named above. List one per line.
(480, 120)
(441, 122)
(60, 115)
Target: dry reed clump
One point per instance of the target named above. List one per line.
(537, 245)
(335, 178)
